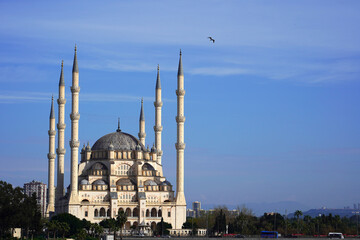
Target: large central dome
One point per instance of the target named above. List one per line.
(119, 141)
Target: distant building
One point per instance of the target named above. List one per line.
(198, 212)
(39, 189)
(197, 208)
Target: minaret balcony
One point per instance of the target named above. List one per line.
(61, 151)
(75, 89)
(158, 104)
(74, 143)
(142, 135)
(180, 146)
(51, 156)
(158, 128)
(180, 119)
(52, 132)
(75, 116)
(159, 153)
(61, 126)
(61, 101)
(180, 92)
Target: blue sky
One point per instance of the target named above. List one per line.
(270, 107)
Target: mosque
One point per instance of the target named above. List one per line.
(118, 173)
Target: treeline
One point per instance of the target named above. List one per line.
(17, 210)
(246, 223)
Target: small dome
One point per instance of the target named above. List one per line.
(88, 149)
(165, 183)
(153, 149)
(111, 147)
(84, 182)
(125, 182)
(99, 182)
(138, 147)
(147, 167)
(150, 183)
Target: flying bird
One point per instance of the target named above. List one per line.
(211, 39)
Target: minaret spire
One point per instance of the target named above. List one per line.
(75, 64)
(61, 138)
(158, 128)
(74, 142)
(180, 146)
(51, 156)
(142, 133)
(61, 81)
(118, 129)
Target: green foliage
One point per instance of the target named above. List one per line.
(121, 220)
(18, 210)
(74, 223)
(190, 224)
(246, 223)
(162, 228)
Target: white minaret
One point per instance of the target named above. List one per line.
(142, 133)
(180, 145)
(51, 156)
(158, 128)
(61, 136)
(74, 142)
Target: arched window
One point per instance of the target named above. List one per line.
(108, 213)
(96, 213)
(120, 210)
(102, 212)
(159, 213)
(153, 212)
(123, 170)
(147, 213)
(135, 212)
(128, 212)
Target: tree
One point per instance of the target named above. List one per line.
(64, 228)
(220, 223)
(121, 220)
(162, 228)
(17, 210)
(190, 224)
(297, 214)
(74, 223)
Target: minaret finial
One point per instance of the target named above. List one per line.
(61, 81)
(158, 83)
(52, 113)
(75, 65)
(180, 69)
(142, 115)
(118, 129)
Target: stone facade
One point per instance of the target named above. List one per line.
(118, 173)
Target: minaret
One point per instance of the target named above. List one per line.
(158, 128)
(142, 133)
(180, 145)
(51, 156)
(61, 137)
(74, 142)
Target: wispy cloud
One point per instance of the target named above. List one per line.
(22, 97)
(218, 71)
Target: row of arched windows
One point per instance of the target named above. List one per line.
(102, 213)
